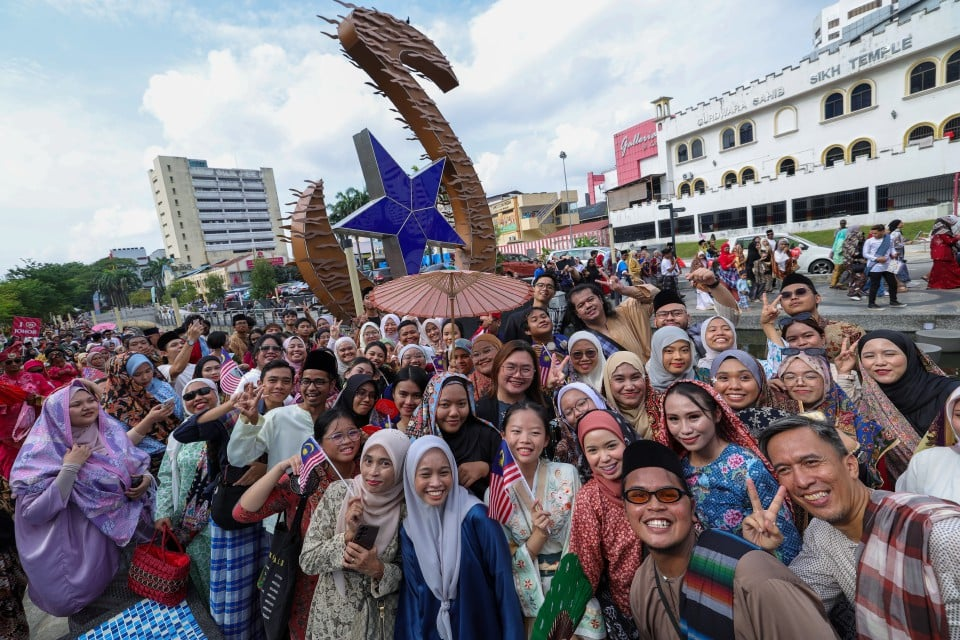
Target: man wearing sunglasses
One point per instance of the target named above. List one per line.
(36, 387)
(685, 586)
(798, 295)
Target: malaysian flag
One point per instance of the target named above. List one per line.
(311, 454)
(230, 375)
(503, 474)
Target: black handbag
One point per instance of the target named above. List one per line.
(280, 576)
(225, 497)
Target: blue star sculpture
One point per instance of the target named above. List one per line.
(403, 211)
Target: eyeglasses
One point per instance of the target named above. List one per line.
(308, 382)
(203, 391)
(512, 369)
(800, 317)
(266, 348)
(676, 313)
(363, 394)
(796, 293)
(810, 351)
(791, 379)
(589, 354)
(578, 408)
(544, 285)
(340, 436)
(665, 495)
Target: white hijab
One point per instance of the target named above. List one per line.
(173, 445)
(595, 377)
(707, 361)
(363, 343)
(435, 531)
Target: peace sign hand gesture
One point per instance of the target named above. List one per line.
(556, 378)
(770, 311)
(335, 330)
(760, 527)
(846, 360)
(248, 403)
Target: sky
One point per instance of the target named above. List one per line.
(92, 90)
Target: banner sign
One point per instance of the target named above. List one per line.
(26, 327)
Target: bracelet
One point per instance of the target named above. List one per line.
(716, 283)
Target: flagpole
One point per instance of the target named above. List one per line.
(522, 477)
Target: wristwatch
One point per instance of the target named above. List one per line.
(716, 283)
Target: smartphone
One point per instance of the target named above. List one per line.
(135, 481)
(366, 535)
(169, 403)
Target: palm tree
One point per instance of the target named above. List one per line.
(155, 271)
(345, 203)
(117, 283)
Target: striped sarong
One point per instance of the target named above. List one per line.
(236, 558)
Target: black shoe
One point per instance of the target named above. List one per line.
(897, 305)
(873, 306)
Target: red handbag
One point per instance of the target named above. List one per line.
(159, 574)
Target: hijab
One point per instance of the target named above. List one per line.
(409, 347)
(595, 377)
(297, 366)
(726, 257)
(425, 340)
(919, 395)
(381, 509)
(173, 445)
(602, 419)
(482, 384)
(706, 362)
(644, 415)
(436, 531)
(769, 406)
(341, 365)
(663, 337)
(948, 418)
(98, 491)
(395, 336)
(346, 397)
(819, 365)
(363, 343)
(130, 402)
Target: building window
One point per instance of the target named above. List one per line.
(171, 178)
(785, 121)
(870, 6)
(696, 148)
(748, 175)
(923, 77)
(953, 67)
(833, 106)
(682, 153)
(951, 128)
(833, 155)
(861, 97)
(787, 166)
(919, 133)
(729, 179)
(861, 149)
(746, 132)
(833, 23)
(701, 187)
(728, 139)
(834, 35)
(685, 189)
(831, 205)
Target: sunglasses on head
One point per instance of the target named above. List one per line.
(810, 351)
(800, 317)
(203, 391)
(666, 495)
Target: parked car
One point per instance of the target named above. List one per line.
(814, 259)
(379, 276)
(238, 298)
(580, 253)
(521, 265)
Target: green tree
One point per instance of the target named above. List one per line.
(183, 290)
(155, 271)
(283, 273)
(117, 283)
(72, 282)
(214, 286)
(585, 242)
(345, 203)
(140, 298)
(263, 280)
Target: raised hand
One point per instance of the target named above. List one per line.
(702, 276)
(248, 403)
(557, 376)
(335, 330)
(770, 311)
(760, 527)
(846, 360)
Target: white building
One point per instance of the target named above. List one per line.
(864, 129)
(208, 215)
(848, 18)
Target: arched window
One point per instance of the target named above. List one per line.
(685, 189)
(920, 132)
(951, 128)
(729, 179)
(861, 97)
(923, 77)
(788, 166)
(748, 175)
(682, 153)
(696, 148)
(785, 120)
(953, 67)
(833, 155)
(699, 186)
(833, 106)
(728, 139)
(746, 132)
(862, 149)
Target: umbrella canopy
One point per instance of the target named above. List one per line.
(104, 326)
(453, 294)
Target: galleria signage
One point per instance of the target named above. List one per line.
(863, 60)
(644, 142)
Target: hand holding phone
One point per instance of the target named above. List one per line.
(366, 535)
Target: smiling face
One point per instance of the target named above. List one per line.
(526, 435)
(371, 334)
(677, 357)
(377, 470)
(588, 307)
(314, 387)
(516, 373)
(804, 384)
(693, 427)
(573, 404)
(672, 315)
(628, 387)
(277, 385)
(269, 351)
(433, 479)
(407, 396)
(341, 441)
(663, 528)
(450, 333)
(461, 362)
(204, 397)
(604, 454)
(376, 355)
(84, 409)
(453, 408)
(800, 335)
(736, 384)
(584, 356)
(543, 291)
(719, 336)
(346, 351)
(539, 325)
(883, 360)
(433, 332)
(483, 355)
(296, 352)
(390, 326)
(211, 370)
(413, 358)
(409, 335)
(364, 398)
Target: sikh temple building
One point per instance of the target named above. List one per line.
(864, 128)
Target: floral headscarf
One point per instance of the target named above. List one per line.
(130, 402)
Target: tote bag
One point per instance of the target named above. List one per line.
(280, 576)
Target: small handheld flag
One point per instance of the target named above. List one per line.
(230, 376)
(311, 454)
(504, 472)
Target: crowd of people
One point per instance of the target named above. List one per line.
(636, 475)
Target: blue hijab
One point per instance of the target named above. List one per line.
(159, 389)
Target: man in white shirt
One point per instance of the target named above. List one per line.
(172, 346)
(878, 250)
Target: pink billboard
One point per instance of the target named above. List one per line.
(633, 145)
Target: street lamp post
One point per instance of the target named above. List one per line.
(673, 226)
(563, 159)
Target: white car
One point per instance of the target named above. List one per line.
(580, 253)
(814, 258)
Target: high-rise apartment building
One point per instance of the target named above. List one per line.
(207, 214)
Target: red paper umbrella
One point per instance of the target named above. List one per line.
(452, 294)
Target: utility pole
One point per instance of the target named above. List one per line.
(563, 158)
(673, 224)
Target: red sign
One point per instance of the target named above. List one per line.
(26, 327)
(278, 261)
(633, 145)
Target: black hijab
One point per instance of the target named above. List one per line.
(919, 394)
(345, 400)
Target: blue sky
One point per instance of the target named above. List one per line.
(92, 90)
